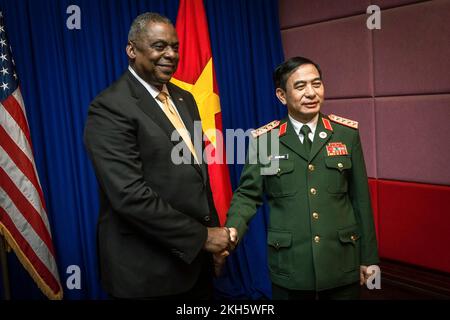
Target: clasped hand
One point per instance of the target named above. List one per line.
(220, 242)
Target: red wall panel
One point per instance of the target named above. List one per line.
(414, 223)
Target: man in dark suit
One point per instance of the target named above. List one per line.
(321, 235)
(157, 228)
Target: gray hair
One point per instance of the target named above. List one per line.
(138, 26)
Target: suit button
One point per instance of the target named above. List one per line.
(315, 215)
(316, 239)
(206, 218)
(311, 167)
(313, 191)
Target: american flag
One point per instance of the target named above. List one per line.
(23, 217)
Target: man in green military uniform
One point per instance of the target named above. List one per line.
(321, 236)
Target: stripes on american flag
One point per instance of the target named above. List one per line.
(23, 217)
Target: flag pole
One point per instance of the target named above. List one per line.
(4, 267)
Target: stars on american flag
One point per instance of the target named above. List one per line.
(8, 75)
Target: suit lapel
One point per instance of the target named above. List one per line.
(148, 105)
(320, 139)
(291, 140)
(151, 108)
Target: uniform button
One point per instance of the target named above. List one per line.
(277, 245)
(315, 215)
(316, 239)
(340, 165)
(313, 191)
(311, 167)
(353, 237)
(206, 218)
(279, 170)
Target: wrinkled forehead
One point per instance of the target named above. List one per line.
(160, 31)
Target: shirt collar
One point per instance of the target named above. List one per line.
(311, 124)
(150, 88)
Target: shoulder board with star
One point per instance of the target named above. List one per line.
(265, 128)
(346, 122)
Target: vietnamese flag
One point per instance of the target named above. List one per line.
(196, 74)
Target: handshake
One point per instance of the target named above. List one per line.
(220, 242)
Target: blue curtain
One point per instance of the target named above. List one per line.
(62, 70)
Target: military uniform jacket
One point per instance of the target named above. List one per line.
(321, 224)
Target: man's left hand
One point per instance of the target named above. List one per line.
(363, 274)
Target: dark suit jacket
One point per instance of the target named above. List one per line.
(153, 213)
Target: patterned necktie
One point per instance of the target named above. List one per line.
(306, 141)
(174, 118)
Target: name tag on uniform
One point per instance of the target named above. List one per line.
(280, 157)
(336, 149)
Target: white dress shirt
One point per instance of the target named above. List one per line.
(311, 124)
(154, 92)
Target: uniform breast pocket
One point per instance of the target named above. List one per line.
(339, 170)
(279, 180)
